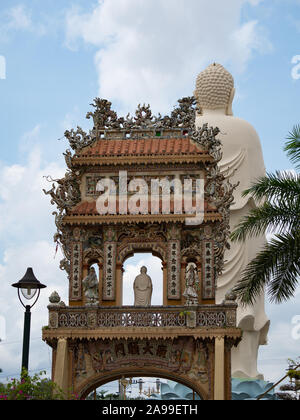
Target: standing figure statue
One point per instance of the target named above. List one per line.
(143, 289)
(242, 162)
(191, 278)
(91, 290)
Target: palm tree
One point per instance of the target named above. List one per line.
(277, 265)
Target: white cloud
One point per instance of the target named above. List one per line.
(273, 358)
(30, 139)
(23, 206)
(151, 51)
(71, 119)
(249, 38)
(255, 2)
(26, 231)
(19, 18)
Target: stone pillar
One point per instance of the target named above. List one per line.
(119, 284)
(200, 276)
(165, 283)
(85, 273)
(100, 282)
(61, 373)
(219, 379)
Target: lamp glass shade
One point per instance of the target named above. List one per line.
(28, 292)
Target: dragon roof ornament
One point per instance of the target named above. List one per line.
(104, 118)
(65, 193)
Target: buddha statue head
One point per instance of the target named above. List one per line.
(144, 270)
(215, 89)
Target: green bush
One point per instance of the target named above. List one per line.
(33, 388)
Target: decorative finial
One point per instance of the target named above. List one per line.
(230, 296)
(54, 298)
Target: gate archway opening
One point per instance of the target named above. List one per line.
(132, 265)
(142, 388)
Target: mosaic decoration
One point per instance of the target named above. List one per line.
(76, 271)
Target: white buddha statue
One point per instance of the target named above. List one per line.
(242, 162)
(143, 289)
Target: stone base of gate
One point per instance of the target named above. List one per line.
(201, 361)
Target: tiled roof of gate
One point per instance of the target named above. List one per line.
(142, 147)
(87, 207)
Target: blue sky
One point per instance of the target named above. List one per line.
(60, 55)
(46, 80)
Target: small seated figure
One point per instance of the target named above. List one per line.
(191, 278)
(143, 289)
(90, 288)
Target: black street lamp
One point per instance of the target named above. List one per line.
(30, 287)
(158, 384)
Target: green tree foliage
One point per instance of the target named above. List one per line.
(277, 266)
(291, 390)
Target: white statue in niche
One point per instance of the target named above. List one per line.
(143, 289)
(242, 162)
(192, 280)
(90, 287)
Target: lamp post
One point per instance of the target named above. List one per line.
(158, 384)
(29, 287)
(140, 382)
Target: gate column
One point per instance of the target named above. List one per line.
(61, 373)
(219, 380)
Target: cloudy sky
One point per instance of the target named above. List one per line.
(54, 59)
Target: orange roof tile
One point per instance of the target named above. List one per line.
(89, 208)
(142, 147)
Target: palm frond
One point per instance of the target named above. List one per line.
(277, 186)
(277, 266)
(292, 146)
(286, 277)
(268, 218)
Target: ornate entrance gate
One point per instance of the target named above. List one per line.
(105, 214)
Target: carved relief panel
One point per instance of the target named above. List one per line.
(76, 271)
(183, 357)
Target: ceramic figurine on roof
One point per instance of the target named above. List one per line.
(242, 162)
